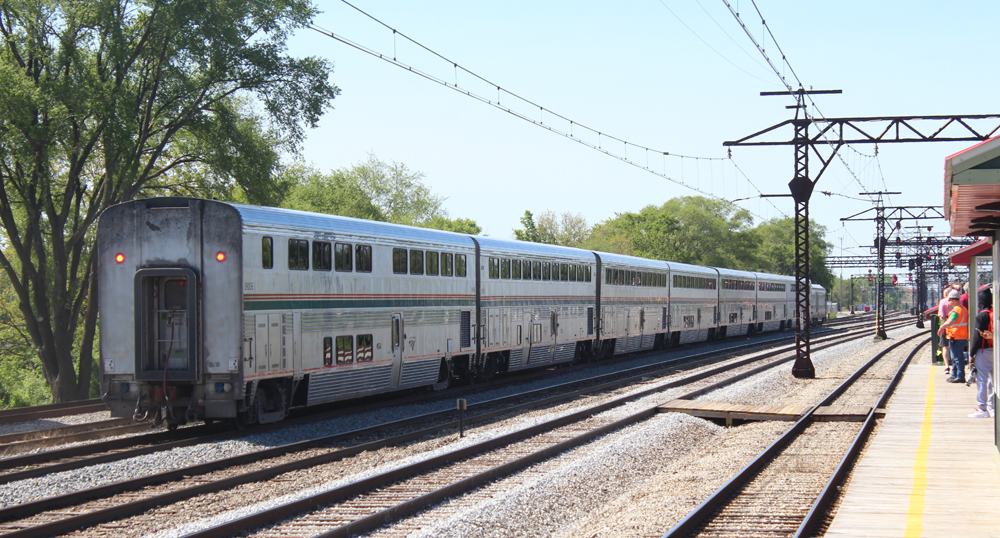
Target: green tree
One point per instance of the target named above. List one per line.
(106, 101)
(569, 230)
(458, 225)
(399, 193)
(776, 253)
(647, 234)
(336, 193)
(372, 190)
(530, 231)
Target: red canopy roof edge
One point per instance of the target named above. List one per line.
(963, 256)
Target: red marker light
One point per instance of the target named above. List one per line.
(120, 258)
(221, 256)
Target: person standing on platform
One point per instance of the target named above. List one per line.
(981, 356)
(965, 296)
(943, 310)
(957, 329)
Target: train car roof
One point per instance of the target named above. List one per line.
(779, 278)
(633, 261)
(513, 247)
(688, 268)
(290, 221)
(736, 273)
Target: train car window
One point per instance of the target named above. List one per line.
(327, 351)
(564, 271)
(363, 258)
(416, 262)
(572, 273)
(504, 268)
(586, 274)
(546, 271)
(494, 268)
(321, 256)
(399, 261)
(526, 269)
(607, 276)
(460, 265)
(342, 257)
(447, 263)
(515, 269)
(536, 270)
(266, 252)
(432, 262)
(365, 353)
(298, 254)
(345, 349)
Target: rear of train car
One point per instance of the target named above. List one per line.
(167, 269)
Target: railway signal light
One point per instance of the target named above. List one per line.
(893, 280)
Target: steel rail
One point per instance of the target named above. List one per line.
(700, 515)
(22, 414)
(830, 492)
(409, 507)
(30, 465)
(138, 506)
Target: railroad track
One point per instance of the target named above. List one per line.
(785, 490)
(13, 468)
(17, 443)
(541, 441)
(22, 414)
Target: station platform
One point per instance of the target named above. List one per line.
(930, 470)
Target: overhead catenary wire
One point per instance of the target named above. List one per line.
(784, 81)
(572, 127)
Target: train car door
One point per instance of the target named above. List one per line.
(291, 332)
(554, 329)
(396, 342)
(268, 337)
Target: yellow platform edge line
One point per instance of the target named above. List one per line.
(915, 513)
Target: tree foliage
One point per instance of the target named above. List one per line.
(569, 229)
(695, 230)
(106, 101)
(373, 190)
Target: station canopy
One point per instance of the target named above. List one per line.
(963, 256)
(972, 190)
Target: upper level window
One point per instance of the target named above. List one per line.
(494, 268)
(526, 269)
(546, 271)
(298, 254)
(363, 259)
(321, 256)
(460, 265)
(572, 273)
(447, 263)
(342, 257)
(399, 261)
(504, 268)
(432, 262)
(416, 262)
(586, 273)
(515, 269)
(266, 252)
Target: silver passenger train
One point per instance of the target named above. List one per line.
(211, 310)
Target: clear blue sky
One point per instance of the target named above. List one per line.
(634, 70)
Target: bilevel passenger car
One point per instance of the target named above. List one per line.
(211, 310)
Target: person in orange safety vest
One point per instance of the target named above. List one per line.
(957, 330)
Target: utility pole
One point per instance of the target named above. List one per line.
(833, 133)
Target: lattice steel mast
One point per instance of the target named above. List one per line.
(831, 133)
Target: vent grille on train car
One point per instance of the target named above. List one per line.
(466, 328)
